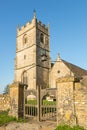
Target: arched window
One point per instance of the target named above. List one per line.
(46, 41)
(24, 77)
(25, 40)
(41, 38)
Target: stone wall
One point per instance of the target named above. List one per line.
(4, 102)
(65, 98)
(14, 101)
(17, 99)
(72, 102)
(81, 104)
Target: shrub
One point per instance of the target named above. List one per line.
(78, 128)
(67, 127)
(63, 127)
(5, 118)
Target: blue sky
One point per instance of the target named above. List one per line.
(68, 30)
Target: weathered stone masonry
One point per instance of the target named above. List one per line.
(4, 102)
(72, 101)
(81, 103)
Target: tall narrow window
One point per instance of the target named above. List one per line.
(24, 57)
(24, 77)
(46, 41)
(25, 40)
(42, 38)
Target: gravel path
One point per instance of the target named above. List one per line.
(28, 126)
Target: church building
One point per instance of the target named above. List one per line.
(33, 68)
(32, 63)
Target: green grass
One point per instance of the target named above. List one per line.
(67, 127)
(44, 102)
(32, 102)
(5, 118)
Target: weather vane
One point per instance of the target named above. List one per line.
(34, 13)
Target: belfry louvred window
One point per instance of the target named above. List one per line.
(43, 52)
(43, 55)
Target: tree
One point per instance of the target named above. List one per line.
(6, 89)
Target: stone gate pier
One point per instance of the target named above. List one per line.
(16, 99)
(72, 101)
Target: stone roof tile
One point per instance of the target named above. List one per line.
(78, 72)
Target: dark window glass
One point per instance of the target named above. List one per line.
(41, 38)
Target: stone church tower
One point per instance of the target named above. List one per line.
(32, 54)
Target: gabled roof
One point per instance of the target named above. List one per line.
(78, 72)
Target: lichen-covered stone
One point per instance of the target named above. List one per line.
(4, 102)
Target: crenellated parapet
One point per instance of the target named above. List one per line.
(43, 25)
(29, 25)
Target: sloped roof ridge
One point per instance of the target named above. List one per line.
(78, 71)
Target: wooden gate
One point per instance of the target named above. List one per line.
(30, 104)
(48, 104)
(40, 104)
